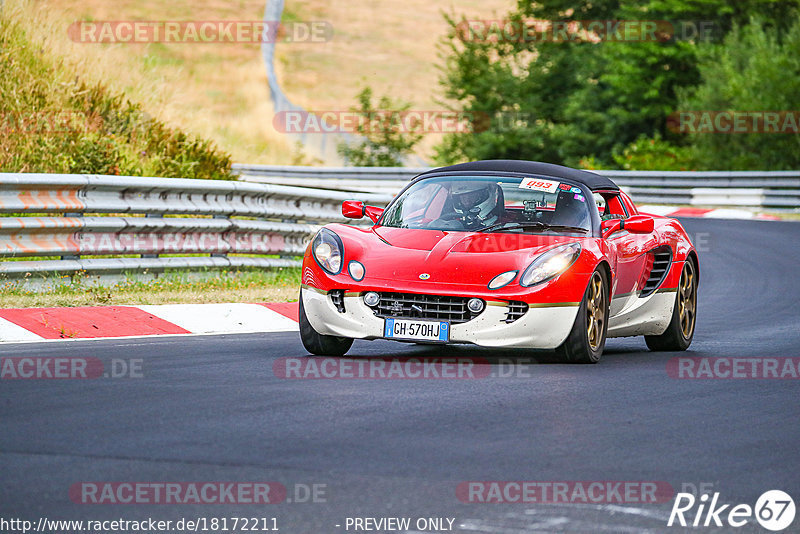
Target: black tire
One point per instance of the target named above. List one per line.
(319, 344)
(578, 347)
(684, 318)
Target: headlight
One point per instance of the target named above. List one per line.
(502, 280)
(550, 264)
(328, 250)
(356, 270)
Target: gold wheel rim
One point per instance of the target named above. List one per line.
(687, 299)
(595, 311)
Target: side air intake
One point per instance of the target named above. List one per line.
(659, 260)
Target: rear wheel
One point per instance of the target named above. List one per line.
(587, 339)
(679, 333)
(319, 344)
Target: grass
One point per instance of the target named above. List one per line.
(391, 46)
(219, 91)
(56, 118)
(212, 91)
(279, 285)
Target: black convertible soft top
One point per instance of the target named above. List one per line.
(593, 181)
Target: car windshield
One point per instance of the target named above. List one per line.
(492, 204)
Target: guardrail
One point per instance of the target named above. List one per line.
(772, 190)
(113, 224)
(62, 216)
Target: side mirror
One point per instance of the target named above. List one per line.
(373, 213)
(638, 224)
(355, 209)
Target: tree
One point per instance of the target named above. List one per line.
(583, 97)
(385, 136)
(757, 71)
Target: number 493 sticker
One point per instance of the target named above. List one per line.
(539, 184)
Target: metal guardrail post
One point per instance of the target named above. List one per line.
(220, 254)
(287, 256)
(69, 257)
(152, 216)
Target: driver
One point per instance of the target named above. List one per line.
(476, 203)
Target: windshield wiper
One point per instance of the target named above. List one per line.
(533, 224)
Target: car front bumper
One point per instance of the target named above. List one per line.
(543, 326)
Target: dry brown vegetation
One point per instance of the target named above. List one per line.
(219, 91)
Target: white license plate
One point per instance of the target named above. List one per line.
(416, 330)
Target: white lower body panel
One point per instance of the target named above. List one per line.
(644, 316)
(540, 328)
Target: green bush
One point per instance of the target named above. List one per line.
(756, 70)
(586, 101)
(51, 121)
(382, 143)
(655, 154)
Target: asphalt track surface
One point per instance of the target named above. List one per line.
(209, 408)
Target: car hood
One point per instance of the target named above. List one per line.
(440, 241)
(458, 258)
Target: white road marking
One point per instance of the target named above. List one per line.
(729, 213)
(657, 209)
(12, 332)
(222, 318)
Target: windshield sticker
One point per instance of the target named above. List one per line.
(576, 190)
(580, 197)
(564, 187)
(537, 184)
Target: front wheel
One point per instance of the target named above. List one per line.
(678, 335)
(319, 344)
(587, 338)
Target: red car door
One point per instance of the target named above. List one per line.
(628, 255)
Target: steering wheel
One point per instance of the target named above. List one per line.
(471, 218)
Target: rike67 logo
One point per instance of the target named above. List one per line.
(774, 510)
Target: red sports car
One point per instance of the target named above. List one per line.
(501, 253)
